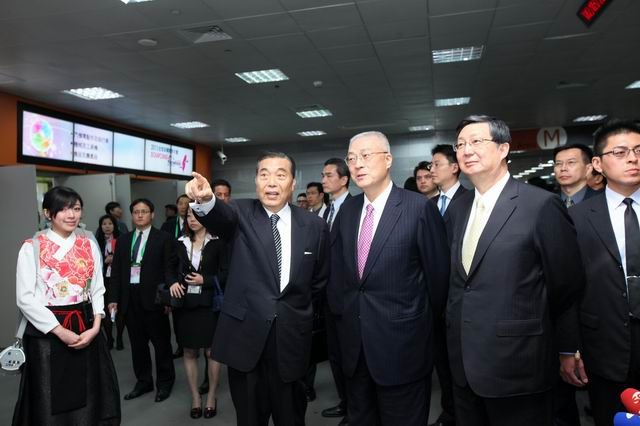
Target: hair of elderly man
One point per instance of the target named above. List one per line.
(373, 133)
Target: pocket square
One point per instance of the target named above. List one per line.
(308, 252)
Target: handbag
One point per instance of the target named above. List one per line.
(164, 297)
(13, 357)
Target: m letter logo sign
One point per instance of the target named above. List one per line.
(551, 137)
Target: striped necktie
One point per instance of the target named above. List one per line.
(276, 239)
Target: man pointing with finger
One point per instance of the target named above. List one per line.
(278, 264)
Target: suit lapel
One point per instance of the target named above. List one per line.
(390, 215)
(298, 234)
(600, 220)
(262, 227)
(503, 209)
(464, 207)
(350, 222)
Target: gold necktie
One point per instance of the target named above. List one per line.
(476, 225)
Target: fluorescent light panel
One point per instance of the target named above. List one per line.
(314, 113)
(312, 133)
(589, 118)
(452, 101)
(459, 54)
(134, 1)
(262, 76)
(236, 140)
(190, 125)
(93, 93)
(423, 128)
(634, 85)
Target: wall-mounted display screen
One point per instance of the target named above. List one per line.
(181, 161)
(128, 151)
(92, 145)
(157, 157)
(46, 137)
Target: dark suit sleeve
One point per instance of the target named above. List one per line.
(169, 249)
(168, 226)
(557, 246)
(118, 266)
(221, 220)
(435, 256)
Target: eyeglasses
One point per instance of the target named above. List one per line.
(473, 143)
(569, 163)
(351, 159)
(623, 152)
(438, 165)
(141, 212)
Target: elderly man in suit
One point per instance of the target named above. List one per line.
(389, 273)
(608, 318)
(278, 265)
(514, 278)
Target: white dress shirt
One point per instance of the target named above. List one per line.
(378, 207)
(321, 210)
(616, 213)
(489, 199)
(30, 291)
(143, 242)
(337, 203)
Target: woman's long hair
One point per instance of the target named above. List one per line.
(100, 237)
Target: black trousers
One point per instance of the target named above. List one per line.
(335, 357)
(371, 404)
(261, 393)
(444, 373)
(565, 408)
(144, 327)
(604, 394)
(525, 410)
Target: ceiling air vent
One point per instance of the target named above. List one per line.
(204, 34)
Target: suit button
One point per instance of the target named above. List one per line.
(624, 294)
(467, 288)
(358, 316)
(362, 290)
(626, 324)
(620, 267)
(268, 322)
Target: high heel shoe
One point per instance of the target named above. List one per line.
(196, 413)
(210, 412)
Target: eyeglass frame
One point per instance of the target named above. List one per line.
(140, 212)
(475, 143)
(635, 149)
(365, 158)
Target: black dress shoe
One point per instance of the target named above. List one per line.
(162, 395)
(310, 393)
(203, 388)
(179, 353)
(344, 422)
(138, 391)
(196, 413)
(210, 412)
(337, 411)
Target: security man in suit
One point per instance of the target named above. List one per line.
(279, 261)
(514, 278)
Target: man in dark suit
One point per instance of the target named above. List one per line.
(424, 181)
(514, 277)
(145, 258)
(388, 280)
(572, 167)
(445, 173)
(278, 263)
(335, 182)
(609, 238)
(175, 225)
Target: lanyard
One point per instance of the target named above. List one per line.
(143, 246)
(177, 227)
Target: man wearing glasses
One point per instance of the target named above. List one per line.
(514, 276)
(144, 258)
(389, 273)
(609, 240)
(572, 166)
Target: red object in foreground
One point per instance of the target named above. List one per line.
(591, 9)
(631, 400)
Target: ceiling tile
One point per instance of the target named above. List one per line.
(343, 15)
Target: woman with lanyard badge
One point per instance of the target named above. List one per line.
(106, 235)
(69, 377)
(199, 255)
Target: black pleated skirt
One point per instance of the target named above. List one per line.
(195, 327)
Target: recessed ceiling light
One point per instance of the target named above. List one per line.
(312, 133)
(148, 42)
(459, 54)
(134, 1)
(313, 112)
(424, 128)
(452, 101)
(262, 76)
(589, 118)
(634, 85)
(190, 125)
(93, 93)
(236, 140)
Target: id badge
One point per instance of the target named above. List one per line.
(194, 289)
(108, 273)
(135, 274)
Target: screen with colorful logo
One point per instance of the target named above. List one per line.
(92, 145)
(157, 157)
(46, 137)
(181, 161)
(128, 151)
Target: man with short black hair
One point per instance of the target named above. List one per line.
(115, 211)
(221, 189)
(445, 173)
(175, 225)
(315, 198)
(424, 181)
(301, 201)
(572, 167)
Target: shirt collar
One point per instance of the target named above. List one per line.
(145, 232)
(284, 214)
(614, 199)
(58, 239)
(490, 197)
(577, 197)
(338, 201)
(381, 200)
(451, 192)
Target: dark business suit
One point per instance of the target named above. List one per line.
(257, 317)
(169, 226)
(610, 338)
(500, 317)
(145, 320)
(385, 319)
(440, 336)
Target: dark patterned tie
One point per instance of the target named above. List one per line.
(276, 239)
(332, 211)
(568, 202)
(443, 205)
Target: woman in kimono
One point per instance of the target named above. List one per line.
(69, 377)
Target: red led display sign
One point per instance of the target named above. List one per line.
(591, 9)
